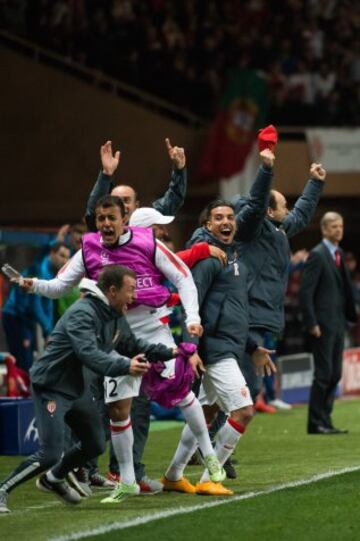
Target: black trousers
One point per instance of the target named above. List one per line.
(327, 351)
(53, 412)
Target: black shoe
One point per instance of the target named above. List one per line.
(79, 480)
(60, 489)
(322, 430)
(229, 469)
(339, 430)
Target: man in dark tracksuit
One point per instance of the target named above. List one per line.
(223, 302)
(327, 303)
(169, 204)
(267, 257)
(83, 337)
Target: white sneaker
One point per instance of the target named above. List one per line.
(280, 404)
(3, 502)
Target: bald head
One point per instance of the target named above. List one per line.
(129, 197)
(277, 209)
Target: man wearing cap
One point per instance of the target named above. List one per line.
(171, 201)
(150, 217)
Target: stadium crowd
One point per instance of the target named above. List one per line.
(307, 51)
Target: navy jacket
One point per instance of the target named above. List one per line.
(267, 256)
(326, 296)
(223, 306)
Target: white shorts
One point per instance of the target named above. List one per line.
(145, 323)
(224, 384)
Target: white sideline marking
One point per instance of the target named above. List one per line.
(191, 509)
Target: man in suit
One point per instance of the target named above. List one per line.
(327, 304)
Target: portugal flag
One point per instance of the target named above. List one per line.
(243, 110)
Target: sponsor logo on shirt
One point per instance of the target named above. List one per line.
(144, 281)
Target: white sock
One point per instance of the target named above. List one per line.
(122, 438)
(194, 416)
(226, 441)
(185, 449)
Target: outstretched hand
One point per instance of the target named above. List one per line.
(25, 283)
(264, 366)
(176, 154)
(317, 171)
(109, 161)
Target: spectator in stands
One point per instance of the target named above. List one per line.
(195, 43)
(21, 312)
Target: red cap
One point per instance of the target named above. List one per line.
(267, 138)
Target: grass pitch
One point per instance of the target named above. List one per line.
(275, 452)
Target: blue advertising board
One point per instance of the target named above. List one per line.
(18, 432)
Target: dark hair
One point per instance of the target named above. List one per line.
(108, 201)
(272, 200)
(113, 275)
(78, 228)
(54, 248)
(206, 213)
(203, 217)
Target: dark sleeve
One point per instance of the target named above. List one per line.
(250, 217)
(174, 197)
(129, 345)
(102, 186)
(309, 282)
(304, 208)
(204, 274)
(81, 331)
(250, 345)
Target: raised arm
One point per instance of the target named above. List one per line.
(103, 184)
(174, 197)
(251, 211)
(300, 216)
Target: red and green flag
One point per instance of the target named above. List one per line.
(243, 110)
